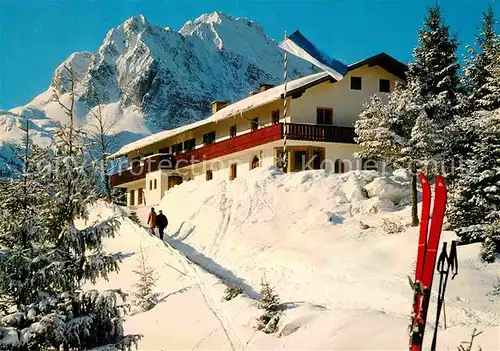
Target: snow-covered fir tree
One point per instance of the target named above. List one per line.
(435, 88)
(491, 243)
(59, 314)
(481, 87)
(475, 200)
(270, 303)
(480, 93)
(145, 297)
(408, 131)
(434, 69)
(24, 214)
(475, 196)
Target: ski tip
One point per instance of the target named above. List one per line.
(440, 181)
(422, 178)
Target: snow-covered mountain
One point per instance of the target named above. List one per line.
(155, 78)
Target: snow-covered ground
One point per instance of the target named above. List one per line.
(345, 287)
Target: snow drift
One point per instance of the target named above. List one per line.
(344, 285)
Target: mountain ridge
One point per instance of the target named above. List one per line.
(154, 78)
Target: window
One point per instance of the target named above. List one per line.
(139, 196)
(279, 158)
(355, 83)
(209, 138)
(189, 144)
(339, 166)
(165, 150)
(132, 198)
(324, 116)
(384, 86)
(255, 162)
(255, 124)
(369, 165)
(275, 117)
(150, 185)
(135, 162)
(232, 131)
(155, 183)
(232, 171)
(299, 160)
(209, 175)
(177, 148)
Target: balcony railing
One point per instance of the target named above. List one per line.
(138, 169)
(295, 131)
(225, 147)
(325, 133)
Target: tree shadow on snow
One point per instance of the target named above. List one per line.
(212, 267)
(294, 304)
(184, 237)
(180, 291)
(126, 254)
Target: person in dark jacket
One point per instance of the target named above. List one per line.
(161, 223)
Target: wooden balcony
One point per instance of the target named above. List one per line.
(225, 147)
(138, 169)
(275, 132)
(325, 133)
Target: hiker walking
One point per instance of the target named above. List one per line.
(161, 223)
(152, 220)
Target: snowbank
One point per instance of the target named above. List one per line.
(344, 287)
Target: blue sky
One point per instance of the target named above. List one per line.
(37, 35)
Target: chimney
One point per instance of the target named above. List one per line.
(218, 105)
(264, 87)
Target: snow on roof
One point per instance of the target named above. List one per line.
(241, 106)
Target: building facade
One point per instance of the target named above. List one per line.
(241, 136)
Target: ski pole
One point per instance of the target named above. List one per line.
(444, 314)
(451, 262)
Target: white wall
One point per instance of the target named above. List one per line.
(346, 103)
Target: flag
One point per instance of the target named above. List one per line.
(298, 45)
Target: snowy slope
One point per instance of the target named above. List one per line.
(345, 287)
(156, 78)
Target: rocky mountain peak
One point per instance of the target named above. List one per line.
(156, 78)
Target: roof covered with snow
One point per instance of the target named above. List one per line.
(246, 104)
(385, 61)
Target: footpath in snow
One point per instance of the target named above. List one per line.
(322, 242)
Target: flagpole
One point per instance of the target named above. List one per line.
(285, 106)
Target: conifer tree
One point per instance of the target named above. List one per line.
(408, 131)
(270, 303)
(91, 319)
(491, 243)
(58, 313)
(481, 87)
(146, 299)
(475, 197)
(23, 228)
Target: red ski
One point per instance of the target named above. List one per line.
(426, 257)
(422, 245)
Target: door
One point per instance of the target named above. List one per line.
(317, 159)
(174, 180)
(300, 161)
